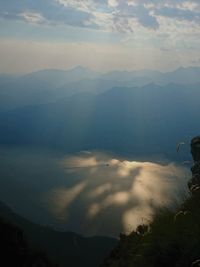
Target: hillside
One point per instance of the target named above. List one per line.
(172, 239)
(15, 250)
(115, 120)
(63, 248)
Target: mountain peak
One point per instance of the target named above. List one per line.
(80, 68)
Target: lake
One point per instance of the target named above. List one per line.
(90, 192)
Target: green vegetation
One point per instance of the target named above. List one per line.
(171, 240)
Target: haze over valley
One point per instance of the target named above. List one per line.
(83, 146)
(99, 102)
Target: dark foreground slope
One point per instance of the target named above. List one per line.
(172, 239)
(15, 250)
(63, 248)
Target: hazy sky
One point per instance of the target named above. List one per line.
(103, 34)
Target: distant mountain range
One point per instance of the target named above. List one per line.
(140, 113)
(182, 75)
(136, 114)
(140, 120)
(50, 85)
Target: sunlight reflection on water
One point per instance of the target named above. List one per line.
(105, 195)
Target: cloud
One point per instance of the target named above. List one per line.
(145, 32)
(32, 17)
(178, 14)
(113, 3)
(110, 15)
(47, 12)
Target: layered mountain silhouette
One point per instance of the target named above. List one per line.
(50, 85)
(62, 248)
(139, 120)
(139, 113)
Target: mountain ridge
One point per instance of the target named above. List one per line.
(63, 248)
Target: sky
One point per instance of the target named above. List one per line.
(103, 35)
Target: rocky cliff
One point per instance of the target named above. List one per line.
(172, 239)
